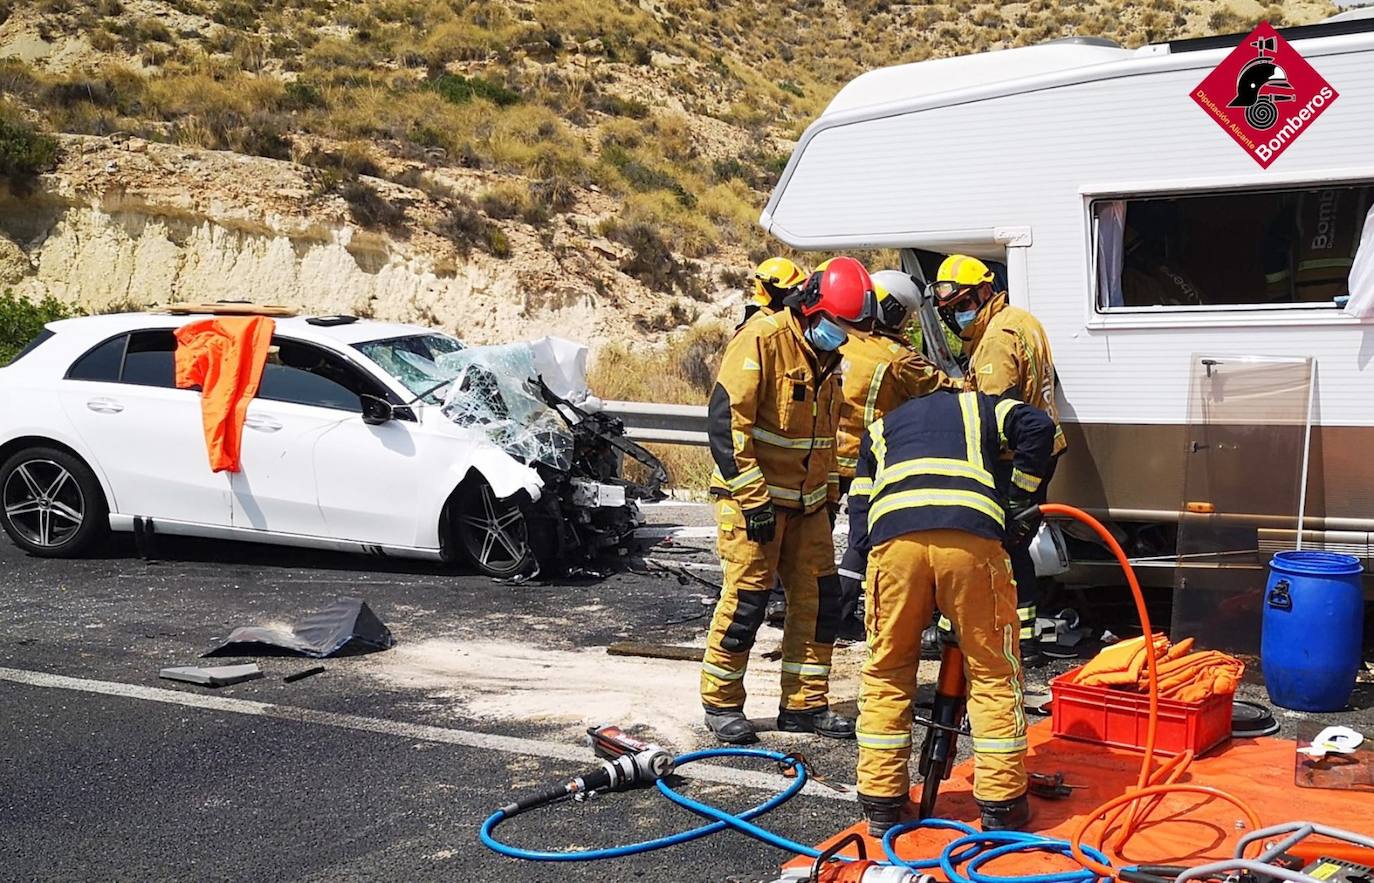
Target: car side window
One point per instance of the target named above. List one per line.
(305, 374)
(150, 359)
(101, 364)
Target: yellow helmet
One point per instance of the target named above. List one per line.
(957, 274)
(776, 278)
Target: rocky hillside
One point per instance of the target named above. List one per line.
(498, 167)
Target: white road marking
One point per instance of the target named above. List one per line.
(511, 744)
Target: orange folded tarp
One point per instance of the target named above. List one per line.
(224, 357)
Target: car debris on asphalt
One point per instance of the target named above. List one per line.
(345, 627)
(212, 676)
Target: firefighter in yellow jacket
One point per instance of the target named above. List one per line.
(1009, 355)
(927, 525)
(771, 424)
(880, 368)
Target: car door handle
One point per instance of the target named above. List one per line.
(104, 406)
(262, 424)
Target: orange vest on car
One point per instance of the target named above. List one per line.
(224, 357)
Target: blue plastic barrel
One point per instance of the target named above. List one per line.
(1313, 628)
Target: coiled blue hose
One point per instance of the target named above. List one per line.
(971, 849)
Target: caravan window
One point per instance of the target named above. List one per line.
(1277, 249)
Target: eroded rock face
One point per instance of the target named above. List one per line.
(169, 225)
(14, 263)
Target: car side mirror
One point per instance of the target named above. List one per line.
(376, 410)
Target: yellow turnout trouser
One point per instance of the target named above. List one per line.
(802, 553)
(970, 578)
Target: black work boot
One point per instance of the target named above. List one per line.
(776, 611)
(731, 726)
(1005, 815)
(883, 813)
(1031, 656)
(821, 721)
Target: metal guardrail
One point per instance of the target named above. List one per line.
(664, 424)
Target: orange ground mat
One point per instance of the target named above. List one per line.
(1185, 829)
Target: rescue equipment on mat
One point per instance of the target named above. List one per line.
(961, 861)
(225, 358)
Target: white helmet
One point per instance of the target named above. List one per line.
(902, 288)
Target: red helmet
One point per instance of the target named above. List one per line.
(838, 287)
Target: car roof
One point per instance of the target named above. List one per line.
(360, 331)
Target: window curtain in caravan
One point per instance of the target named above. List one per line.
(1361, 303)
(1111, 252)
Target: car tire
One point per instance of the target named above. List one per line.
(492, 532)
(51, 504)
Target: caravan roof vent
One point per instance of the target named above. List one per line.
(1083, 41)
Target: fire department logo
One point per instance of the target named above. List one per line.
(1264, 94)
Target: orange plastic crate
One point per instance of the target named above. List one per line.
(1120, 718)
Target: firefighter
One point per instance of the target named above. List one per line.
(1009, 355)
(771, 424)
(927, 525)
(774, 280)
(1309, 250)
(880, 370)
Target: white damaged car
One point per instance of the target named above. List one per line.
(364, 436)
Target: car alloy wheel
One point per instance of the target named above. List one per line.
(494, 533)
(44, 503)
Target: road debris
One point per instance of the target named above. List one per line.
(655, 651)
(302, 675)
(212, 676)
(346, 627)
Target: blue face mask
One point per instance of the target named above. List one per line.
(825, 335)
(964, 318)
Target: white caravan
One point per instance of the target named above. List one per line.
(1195, 330)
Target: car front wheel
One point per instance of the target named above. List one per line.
(51, 504)
(493, 531)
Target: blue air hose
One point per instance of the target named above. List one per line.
(971, 849)
(589, 855)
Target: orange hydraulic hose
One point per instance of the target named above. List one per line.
(1162, 781)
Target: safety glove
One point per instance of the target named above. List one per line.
(761, 524)
(1023, 520)
(832, 510)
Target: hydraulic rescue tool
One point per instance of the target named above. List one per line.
(940, 748)
(629, 763)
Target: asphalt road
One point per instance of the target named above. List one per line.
(100, 786)
(385, 765)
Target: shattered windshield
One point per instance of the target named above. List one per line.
(413, 360)
(494, 390)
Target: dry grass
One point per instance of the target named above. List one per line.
(682, 372)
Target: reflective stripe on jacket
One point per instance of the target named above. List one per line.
(927, 465)
(1011, 357)
(772, 417)
(879, 373)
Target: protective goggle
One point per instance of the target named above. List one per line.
(946, 293)
(773, 289)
